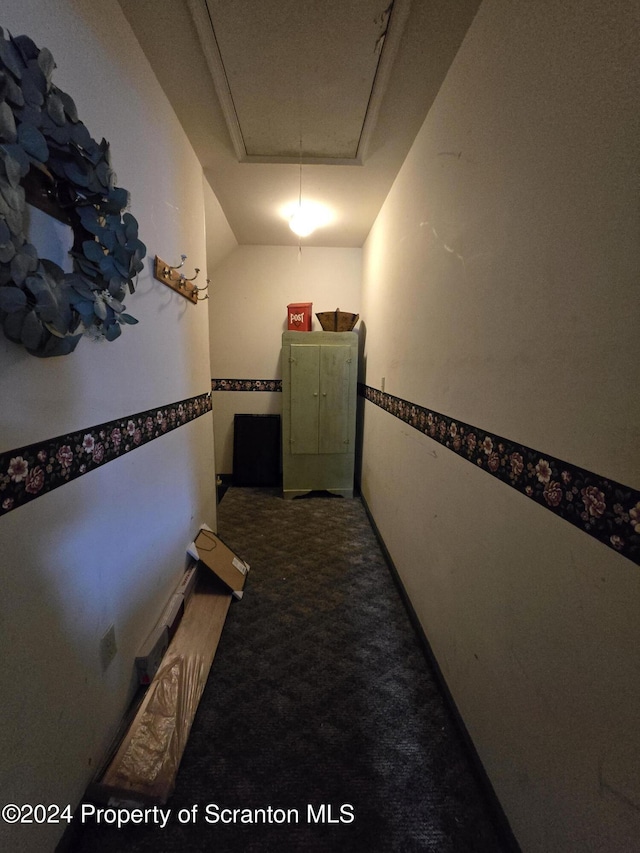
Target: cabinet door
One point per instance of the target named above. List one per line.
(335, 383)
(305, 373)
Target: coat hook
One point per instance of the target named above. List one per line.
(174, 278)
(168, 270)
(200, 289)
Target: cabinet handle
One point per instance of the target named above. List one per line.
(315, 393)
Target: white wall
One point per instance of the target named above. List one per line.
(250, 291)
(500, 289)
(220, 238)
(108, 547)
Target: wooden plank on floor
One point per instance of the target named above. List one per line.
(145, 766)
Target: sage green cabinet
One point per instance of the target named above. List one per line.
(319, 384)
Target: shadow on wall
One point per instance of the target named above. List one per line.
(360, 402)
(81, 562)
(56, 700)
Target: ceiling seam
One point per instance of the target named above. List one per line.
(226, 77)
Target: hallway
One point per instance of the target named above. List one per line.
(487, 239)
(319, 694)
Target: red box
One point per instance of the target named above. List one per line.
(299, 316)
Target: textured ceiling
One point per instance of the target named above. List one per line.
(299, 80)
(250, 80)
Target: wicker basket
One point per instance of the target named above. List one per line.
(337, 321)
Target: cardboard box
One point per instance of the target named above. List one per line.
(154, 647)
(143, 767)
(299, 316)
(210, 550)
(172, 613)
(188, 582)
(151, 653)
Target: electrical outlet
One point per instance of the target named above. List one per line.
(108, 647)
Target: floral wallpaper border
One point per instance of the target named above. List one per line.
(29, 472)
(603, 508)
(246, 384)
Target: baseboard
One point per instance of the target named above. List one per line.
(496, 811)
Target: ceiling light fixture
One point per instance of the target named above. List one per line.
(303, 220)
(305, 216)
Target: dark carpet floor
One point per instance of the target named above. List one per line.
(319, 696)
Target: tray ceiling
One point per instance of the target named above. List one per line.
(263, 86)
(299, 80)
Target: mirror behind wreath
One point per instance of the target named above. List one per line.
(53, 239)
